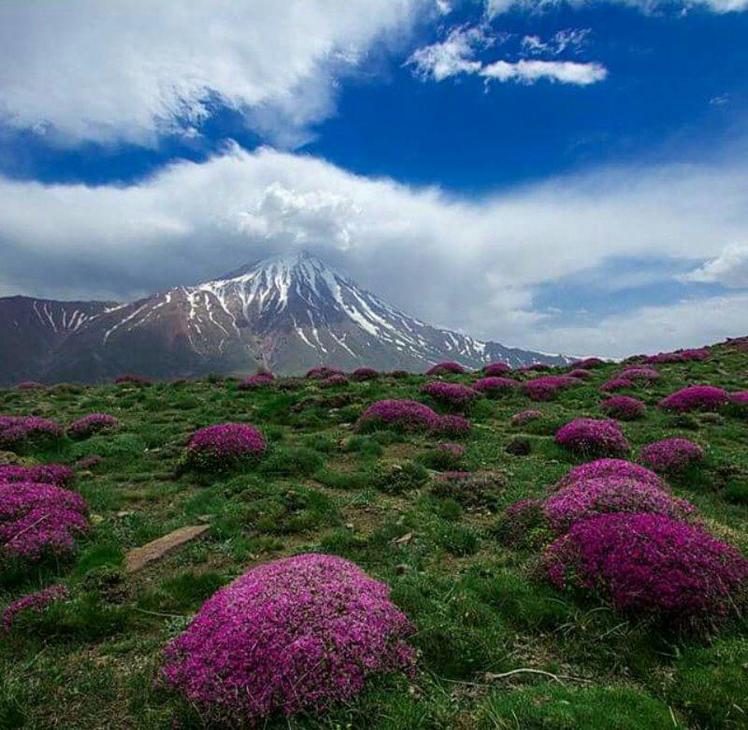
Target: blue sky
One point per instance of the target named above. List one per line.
(563, 175)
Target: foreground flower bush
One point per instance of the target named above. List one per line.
(670, 456)
(611, 468)
(584, 499)
(623, 408)
(296, 634)
(224, 446)
(496, 369)
(364, 374)
(695, 398)
(444, 368)
(493, 386)
(39, 520)
(260, 380)
(91, 424)
(649, 565)
(452, 395)
(547, 387)
(35, 602)
(27, 431)
(57, 474)
(593, 437)
(408, 415)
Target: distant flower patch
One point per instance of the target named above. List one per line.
(36, 602)
(496, 369)
(493, 386)
(693, 355)
(615, 384)
(538, 367)
(452, 426)
(588, 363)
(593, 437)
(57, 474)
(611, 468)
(91, 424)
(31, 385)
(623, 408)
(335, 380)
(649, 565)
(364, 374)
(547, 387)
(292, 635)
(39, 520)
(695, 398)
(260, 380)
(27, 431)
(639, 373)
(408, 415)
(672, 455)
(322, 372)
(130, 379)
(519, 419)
(580, 374)
(445, 368)
(224, 446)
(453, 395)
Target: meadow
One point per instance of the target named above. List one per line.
(495, 643)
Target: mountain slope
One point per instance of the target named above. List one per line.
(286, 313)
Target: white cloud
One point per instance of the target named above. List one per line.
(730, 268)
(496, 7)
(130, 69)
(528, 72)
(473, 265)
(454, 55)
(573, 39)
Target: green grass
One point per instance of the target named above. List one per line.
(479, 607)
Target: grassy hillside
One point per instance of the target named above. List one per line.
(479, 607)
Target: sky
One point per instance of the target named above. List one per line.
(566, 175)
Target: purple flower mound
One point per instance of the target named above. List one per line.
(444, 368)
(623, 408)
(585, 499)
(538, 367)
(589, 363)
(297, 634)
(548, 386)
(593, 437)
(614, 469)
(697, 355)
(131, 379)
(615, 384)
(224, 445)
(22, 430)
(91, 424)
(494, 369)
(409, 415)
(322, 372)
(30, 385)
(253, 382)
(36, 602)
(37, 520)
(57, 474)
(365, 374)
(580, 374)
(649, 565)
(494, 385)
(672, 455)
(639, 373)
(695, 398)
(519, 419)
(333, 380)
(452, 426)
(454, 395)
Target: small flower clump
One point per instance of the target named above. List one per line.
(593, 437)
(453, 395)
(35, 602)
(670, 456)
(649, 565)
(444, 368)
(322, 372)
(30, 385)
(452, 426)
(589, 363)
(224, 446)
(494, 369)
(494, 385)
(623, 408)
(57, 474)
(39, 520)
(615, 384)
(130, 379)
(253, 382)
(335, 380)
(547, 387)
(519, 419)
(695, 398)
(296, 634)
(639, 373)
(580, 374)
(91, 424)
(22, 431)
(364, 374)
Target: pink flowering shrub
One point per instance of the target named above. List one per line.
(588, 363)
(322, 372)
(57, 474)
(638, 373)
(695, 398)
(649, 565)
(697, 355)
(615, 384)
(547, 387)
(35, 602)
(364, 374)
(519, 419)
(584, 499)
(580, 374)
(224, 446)
(296, 634)
(253, 382)
(27, 431)
(37, 520)
(407, 415)
(494, 369)
(453, 395)
(672, 455)
(335, 380)
(30, 385)
(738, 403)
(130, 379)
(91, 424)
(623, 408)
(452, 426)
(493, 386)
(444, 368)
(593, 437)
(611, 469)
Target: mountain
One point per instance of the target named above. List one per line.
(287, 313)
